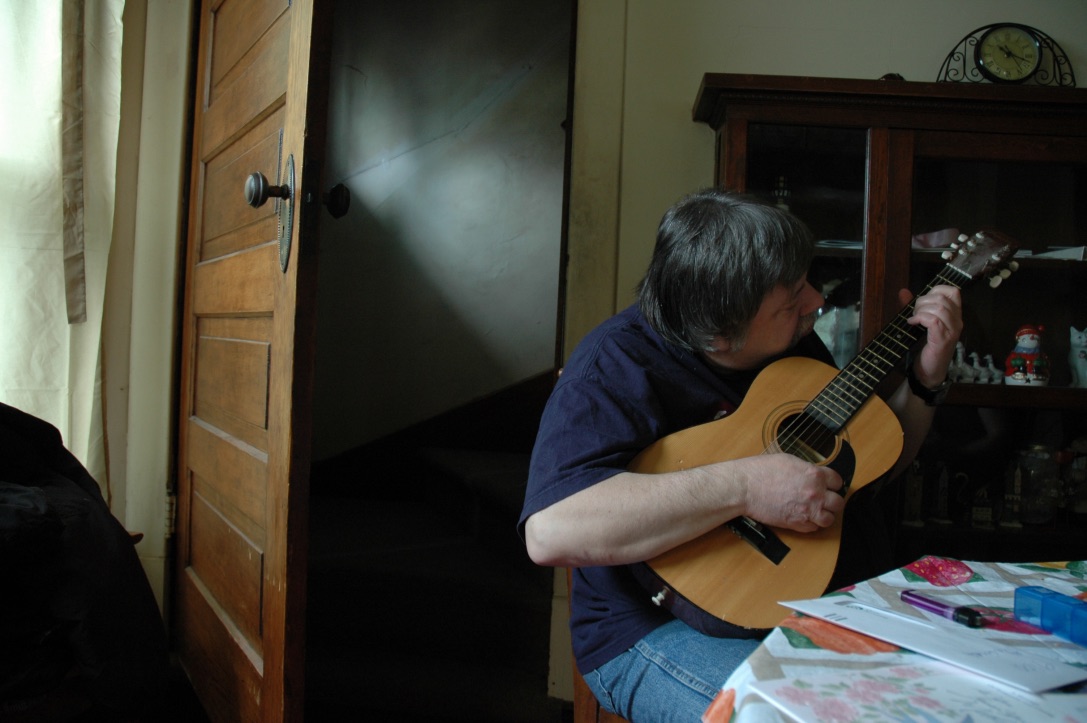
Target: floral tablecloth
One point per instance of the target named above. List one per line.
(822, 672)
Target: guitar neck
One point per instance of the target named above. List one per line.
(839, 401)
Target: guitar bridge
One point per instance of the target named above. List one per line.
(760, 537)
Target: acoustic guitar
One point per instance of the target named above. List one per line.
(728, 581)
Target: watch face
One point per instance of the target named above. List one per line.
(1008, 53)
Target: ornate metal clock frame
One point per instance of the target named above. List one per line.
(1055, 68)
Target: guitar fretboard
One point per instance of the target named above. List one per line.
(839, 401)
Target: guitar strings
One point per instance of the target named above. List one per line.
(842, 397)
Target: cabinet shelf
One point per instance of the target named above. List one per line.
(828, 252)
(1010, 396)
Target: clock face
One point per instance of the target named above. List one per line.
(1008, 54)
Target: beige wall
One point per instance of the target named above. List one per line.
(636, 149)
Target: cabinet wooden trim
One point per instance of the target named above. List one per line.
(894, 103)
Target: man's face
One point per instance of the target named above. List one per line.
(786, 315)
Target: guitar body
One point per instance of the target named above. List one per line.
(723, 577)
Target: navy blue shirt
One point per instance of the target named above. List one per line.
(622, 389)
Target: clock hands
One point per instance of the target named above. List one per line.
(1015, 58)
(1019, 60)
(1009, 54)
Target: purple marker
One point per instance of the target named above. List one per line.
(962, 614)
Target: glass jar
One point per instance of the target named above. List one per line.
(1041, 484)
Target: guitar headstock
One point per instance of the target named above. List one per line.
(987, 253)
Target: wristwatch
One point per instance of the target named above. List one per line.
(931, 397)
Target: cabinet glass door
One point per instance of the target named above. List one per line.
(819, 174)
(1043, 205)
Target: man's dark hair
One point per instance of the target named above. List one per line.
(717, 256)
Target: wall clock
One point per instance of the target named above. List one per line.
(1007, 53)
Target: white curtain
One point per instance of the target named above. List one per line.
(58, 157)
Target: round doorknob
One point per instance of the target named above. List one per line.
(338, 200)
(258, 190)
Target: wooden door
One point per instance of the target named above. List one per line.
(247, 358)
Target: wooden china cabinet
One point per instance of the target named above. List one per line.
(885, 170)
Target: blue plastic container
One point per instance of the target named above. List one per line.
(1056, 613)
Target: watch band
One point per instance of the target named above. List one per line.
(932, 397)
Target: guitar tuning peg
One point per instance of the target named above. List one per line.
(971, 244)
(946, 255)
(962, 237)
(996, 281)
(1013, 265)
(1005, 273)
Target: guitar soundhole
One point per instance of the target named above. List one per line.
(803, 437)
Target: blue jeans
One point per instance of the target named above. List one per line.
(672, 674)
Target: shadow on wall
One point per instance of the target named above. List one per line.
(440, 285)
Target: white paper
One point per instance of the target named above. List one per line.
(944, 640)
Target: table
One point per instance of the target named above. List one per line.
(822, 672)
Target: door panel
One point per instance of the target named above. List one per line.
(232, 388)
(231, 226)
(226, 561)
(240, 27)
(242, 283)
(251, 87)
(246, 361)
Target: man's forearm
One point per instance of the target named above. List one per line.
(631, 517)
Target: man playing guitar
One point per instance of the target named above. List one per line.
(725, 295)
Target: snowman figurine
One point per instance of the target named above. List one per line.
(1027, 364)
